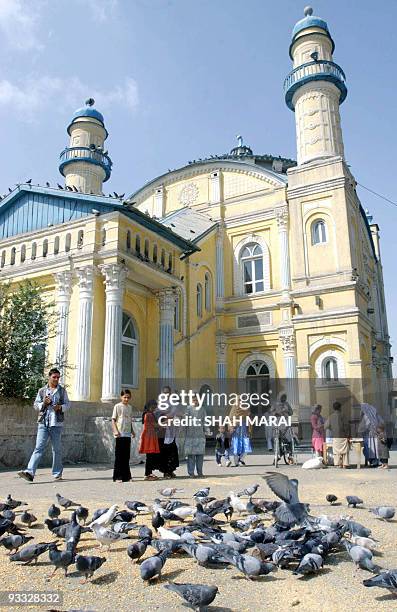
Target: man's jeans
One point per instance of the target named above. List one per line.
(195, 460)
(43, 435)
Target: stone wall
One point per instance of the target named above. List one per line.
(87, 435)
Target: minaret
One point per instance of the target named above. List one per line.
(314, 90)
(84, 163)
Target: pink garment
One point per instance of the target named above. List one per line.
(318, 435)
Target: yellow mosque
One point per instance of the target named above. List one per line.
(241, 266)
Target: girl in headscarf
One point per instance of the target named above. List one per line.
(368, 427)
(318, 431)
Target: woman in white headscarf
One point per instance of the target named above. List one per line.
(368, 427)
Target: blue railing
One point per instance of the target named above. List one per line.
(322, 70)
(92, 156)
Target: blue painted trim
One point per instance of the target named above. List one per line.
(331, 76)
(92, 157)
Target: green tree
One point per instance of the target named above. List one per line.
(26, 323)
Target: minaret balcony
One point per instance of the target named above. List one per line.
(85, 154)
(321, 70)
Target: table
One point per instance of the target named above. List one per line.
(356, 443)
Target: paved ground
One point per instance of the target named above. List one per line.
(117, 584)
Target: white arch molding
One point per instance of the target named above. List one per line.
(326, 341)
(238, 284)
(337, 355)
(246, 362)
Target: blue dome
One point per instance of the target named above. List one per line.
(310, 21)
(89, 111)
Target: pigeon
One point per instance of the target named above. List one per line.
(353, 500)
(184, 511)
(196, 595)
(88, 565)
(59, 558)
(310, 564)
(201, 518)
(30, 552)
(331, 498)
(28, 182)
(9, 515)
(106, 518)
(59, 186)
(65, 502)
(72, 535)
(202, 493)
(202, 554)
(137, 550)
(167, 534)
(356, 528)
(236, 503)
(107, 536)
(124, 515)
(153, 566)
(14, 503)
(254, 508)
(248, 565)
(385, 513)
(291, 512)
(362, 557)
(157, 521)
(170, 491)
(144, 532)
(368, 543)
(123, 527)
(53, 511)
(82, 514)
(14, 542)
(54, 523)
(27, 518)
(384, 580)
(248, 491)
(136, 506)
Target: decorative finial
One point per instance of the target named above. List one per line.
(240, 141)
(308, 10)
(90, 102)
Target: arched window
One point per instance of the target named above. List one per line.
(56, 245)
(199, 296)
(207, 292)
(13, 255)
(251, 260)
(319, 232)
(103, 237)
(169, 269)
(80, 239)
(128, 241)
(34, 250)
(68, 241)
(257, 379)
(162, 260)
(330, 369)
(23, 253)
(146, 250)
(129, 353)
(3, 259)
(138, 244)
(45, 248)
(155, 253)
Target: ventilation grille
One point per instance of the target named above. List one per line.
(259, 319)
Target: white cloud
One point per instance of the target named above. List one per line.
(19, 22)
(102, 10)
(34, 96)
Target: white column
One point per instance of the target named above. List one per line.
(158, 210)
(287, 338)
(221, 348)
(166, 351)
(64, 291)
(220, 270)
(285, 274)
(115, 277)
(84, 332)
(215, 187)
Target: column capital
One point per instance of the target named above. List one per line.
(167, 300)
(282, 217)
(86, 277)
(64, 284)
(115, 277)
(287, 339)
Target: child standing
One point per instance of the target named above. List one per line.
(149, 444)
(123, 432)
(222, 446)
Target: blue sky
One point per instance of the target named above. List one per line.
(178, 79)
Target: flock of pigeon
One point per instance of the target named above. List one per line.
(293, 540)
